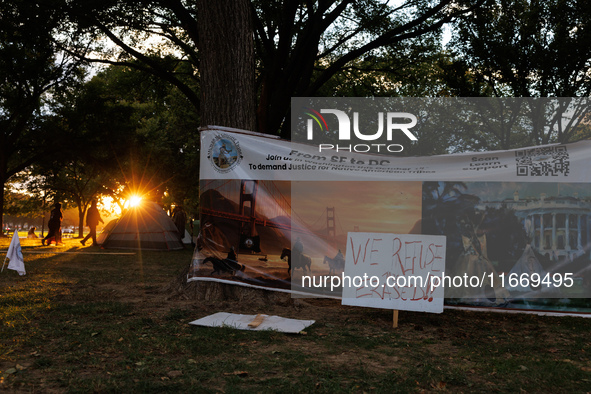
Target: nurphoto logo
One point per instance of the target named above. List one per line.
(390, 122)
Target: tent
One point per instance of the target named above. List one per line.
(145, 227)
(102, 236)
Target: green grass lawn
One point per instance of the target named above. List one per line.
(90, 320)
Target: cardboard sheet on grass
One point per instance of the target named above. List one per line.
(275, 211)
(244, 322)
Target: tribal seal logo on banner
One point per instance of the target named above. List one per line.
(224, 153)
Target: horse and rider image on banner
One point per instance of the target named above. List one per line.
(271, 233)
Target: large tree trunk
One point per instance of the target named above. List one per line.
(226, 50)
(226, 68)
(2, 185)
(81, 214)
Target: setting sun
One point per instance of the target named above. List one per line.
(134, 201)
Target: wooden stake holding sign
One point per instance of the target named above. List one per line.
(395, 319)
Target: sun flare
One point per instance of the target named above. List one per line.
(134, 201)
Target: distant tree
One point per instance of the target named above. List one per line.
(79, 183)
(407, 69)
(124, 132)
(162, 154)
(303, 46)
(299, 46)
(24, 196)
(500, 123)
(526, 48)
(30, 66)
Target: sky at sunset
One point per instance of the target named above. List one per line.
(391, 207)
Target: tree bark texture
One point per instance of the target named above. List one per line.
(226, 66)
(226, 53)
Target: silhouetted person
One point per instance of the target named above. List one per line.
(93, 218)
(179, 217)
(31, 234)
(232, 255)
(339, 257)
(54, 225)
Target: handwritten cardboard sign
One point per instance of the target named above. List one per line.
(394, 271)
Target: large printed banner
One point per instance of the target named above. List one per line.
(275, 214)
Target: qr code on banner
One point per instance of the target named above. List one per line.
(543, 161)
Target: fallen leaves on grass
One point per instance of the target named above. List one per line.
(174, 374)
(241, 374)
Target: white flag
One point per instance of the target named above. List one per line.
(15, 254)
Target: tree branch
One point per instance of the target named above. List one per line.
(393, 36)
